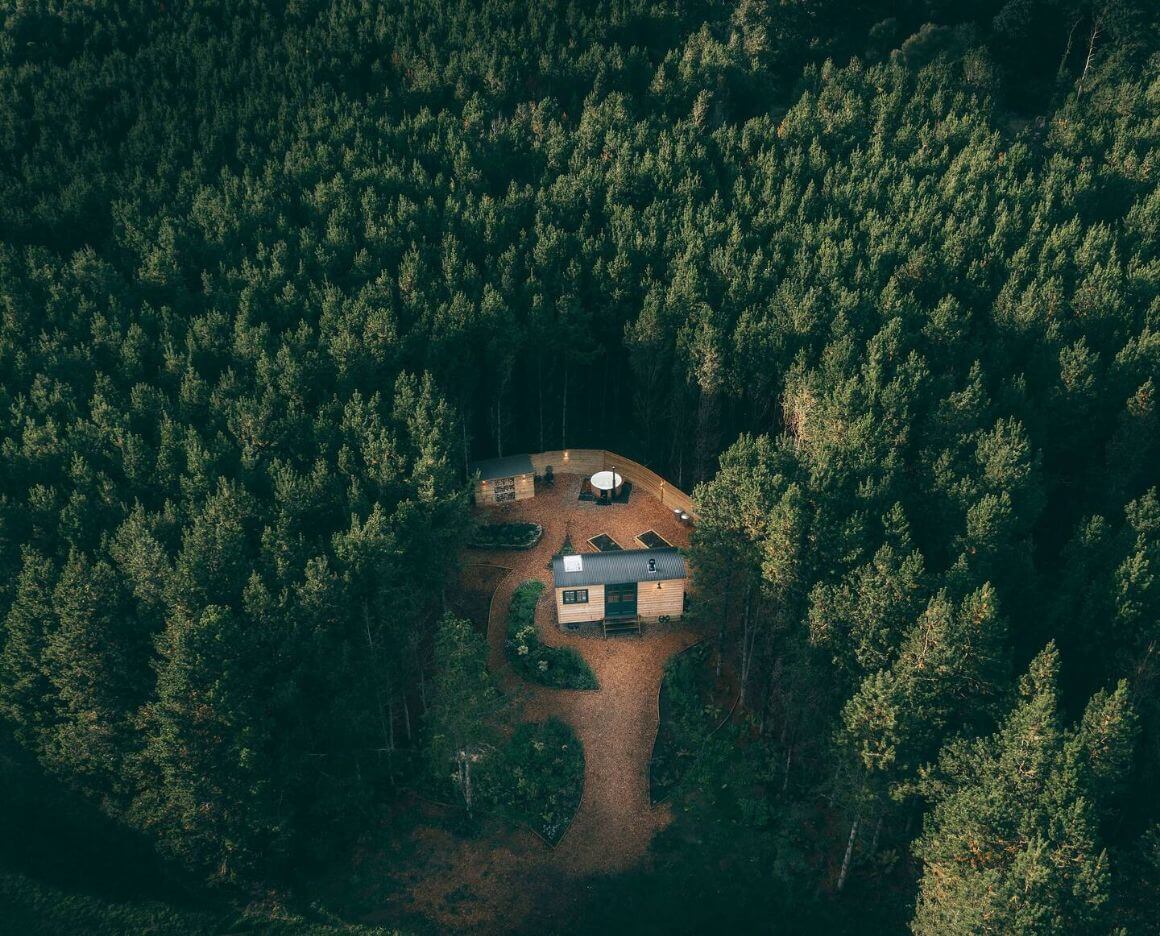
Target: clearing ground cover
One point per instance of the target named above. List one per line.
(471, 599)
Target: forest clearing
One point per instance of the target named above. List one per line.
(466, 884)
(579, 466)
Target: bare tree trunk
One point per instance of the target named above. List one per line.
(877, 832)
(564, 413)
(849, 851)
(1067, 48)
(499, 413)
(788, 761)
(745, 651)
(386, 728)
(465, 760)
(721, 627)
(705, 437)
(1093, 40)
(466, 454)
(540, 383)
(407, 718)
(391, 724)
(604, 397)
(834, 785)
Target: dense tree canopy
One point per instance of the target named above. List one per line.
(882, 280)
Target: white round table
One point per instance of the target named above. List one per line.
(606, 482)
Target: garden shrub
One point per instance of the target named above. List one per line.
(537, 777)
(506, 535)
(688, 718)
(558, 667)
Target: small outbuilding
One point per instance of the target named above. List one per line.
(619, 589)
(502, 480)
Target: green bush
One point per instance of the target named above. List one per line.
(688, 718)
(506, 535)
(32, 907)
(537, 777)
(558, 667)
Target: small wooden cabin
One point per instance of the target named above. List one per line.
(503, 480)
(619, 588)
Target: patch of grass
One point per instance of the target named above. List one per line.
(688, 718)
(537, 777)
(506, 535)
(558, 667)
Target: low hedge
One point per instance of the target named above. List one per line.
(558, 667)
(537, 777)
(506, 535)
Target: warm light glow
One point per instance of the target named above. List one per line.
(565, 456)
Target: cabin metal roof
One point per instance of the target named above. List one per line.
(507, 467)
(620, 566)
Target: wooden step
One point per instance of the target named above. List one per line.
(620, 627)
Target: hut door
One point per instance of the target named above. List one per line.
(620, 600)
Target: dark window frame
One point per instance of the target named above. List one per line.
(576, 594)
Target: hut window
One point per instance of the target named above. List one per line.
(576, 596)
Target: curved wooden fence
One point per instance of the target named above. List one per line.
(589, 461)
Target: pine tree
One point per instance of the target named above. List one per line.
(464, 705)
(25, 692)
(97, 660)
(1011, 844)
(214, 791)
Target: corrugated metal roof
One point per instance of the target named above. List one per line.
(621, 565)
(507, 467)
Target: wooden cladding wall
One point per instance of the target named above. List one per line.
(589, 461)
(593, 610)
(653, 602)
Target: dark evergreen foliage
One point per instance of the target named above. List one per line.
(881, 279)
